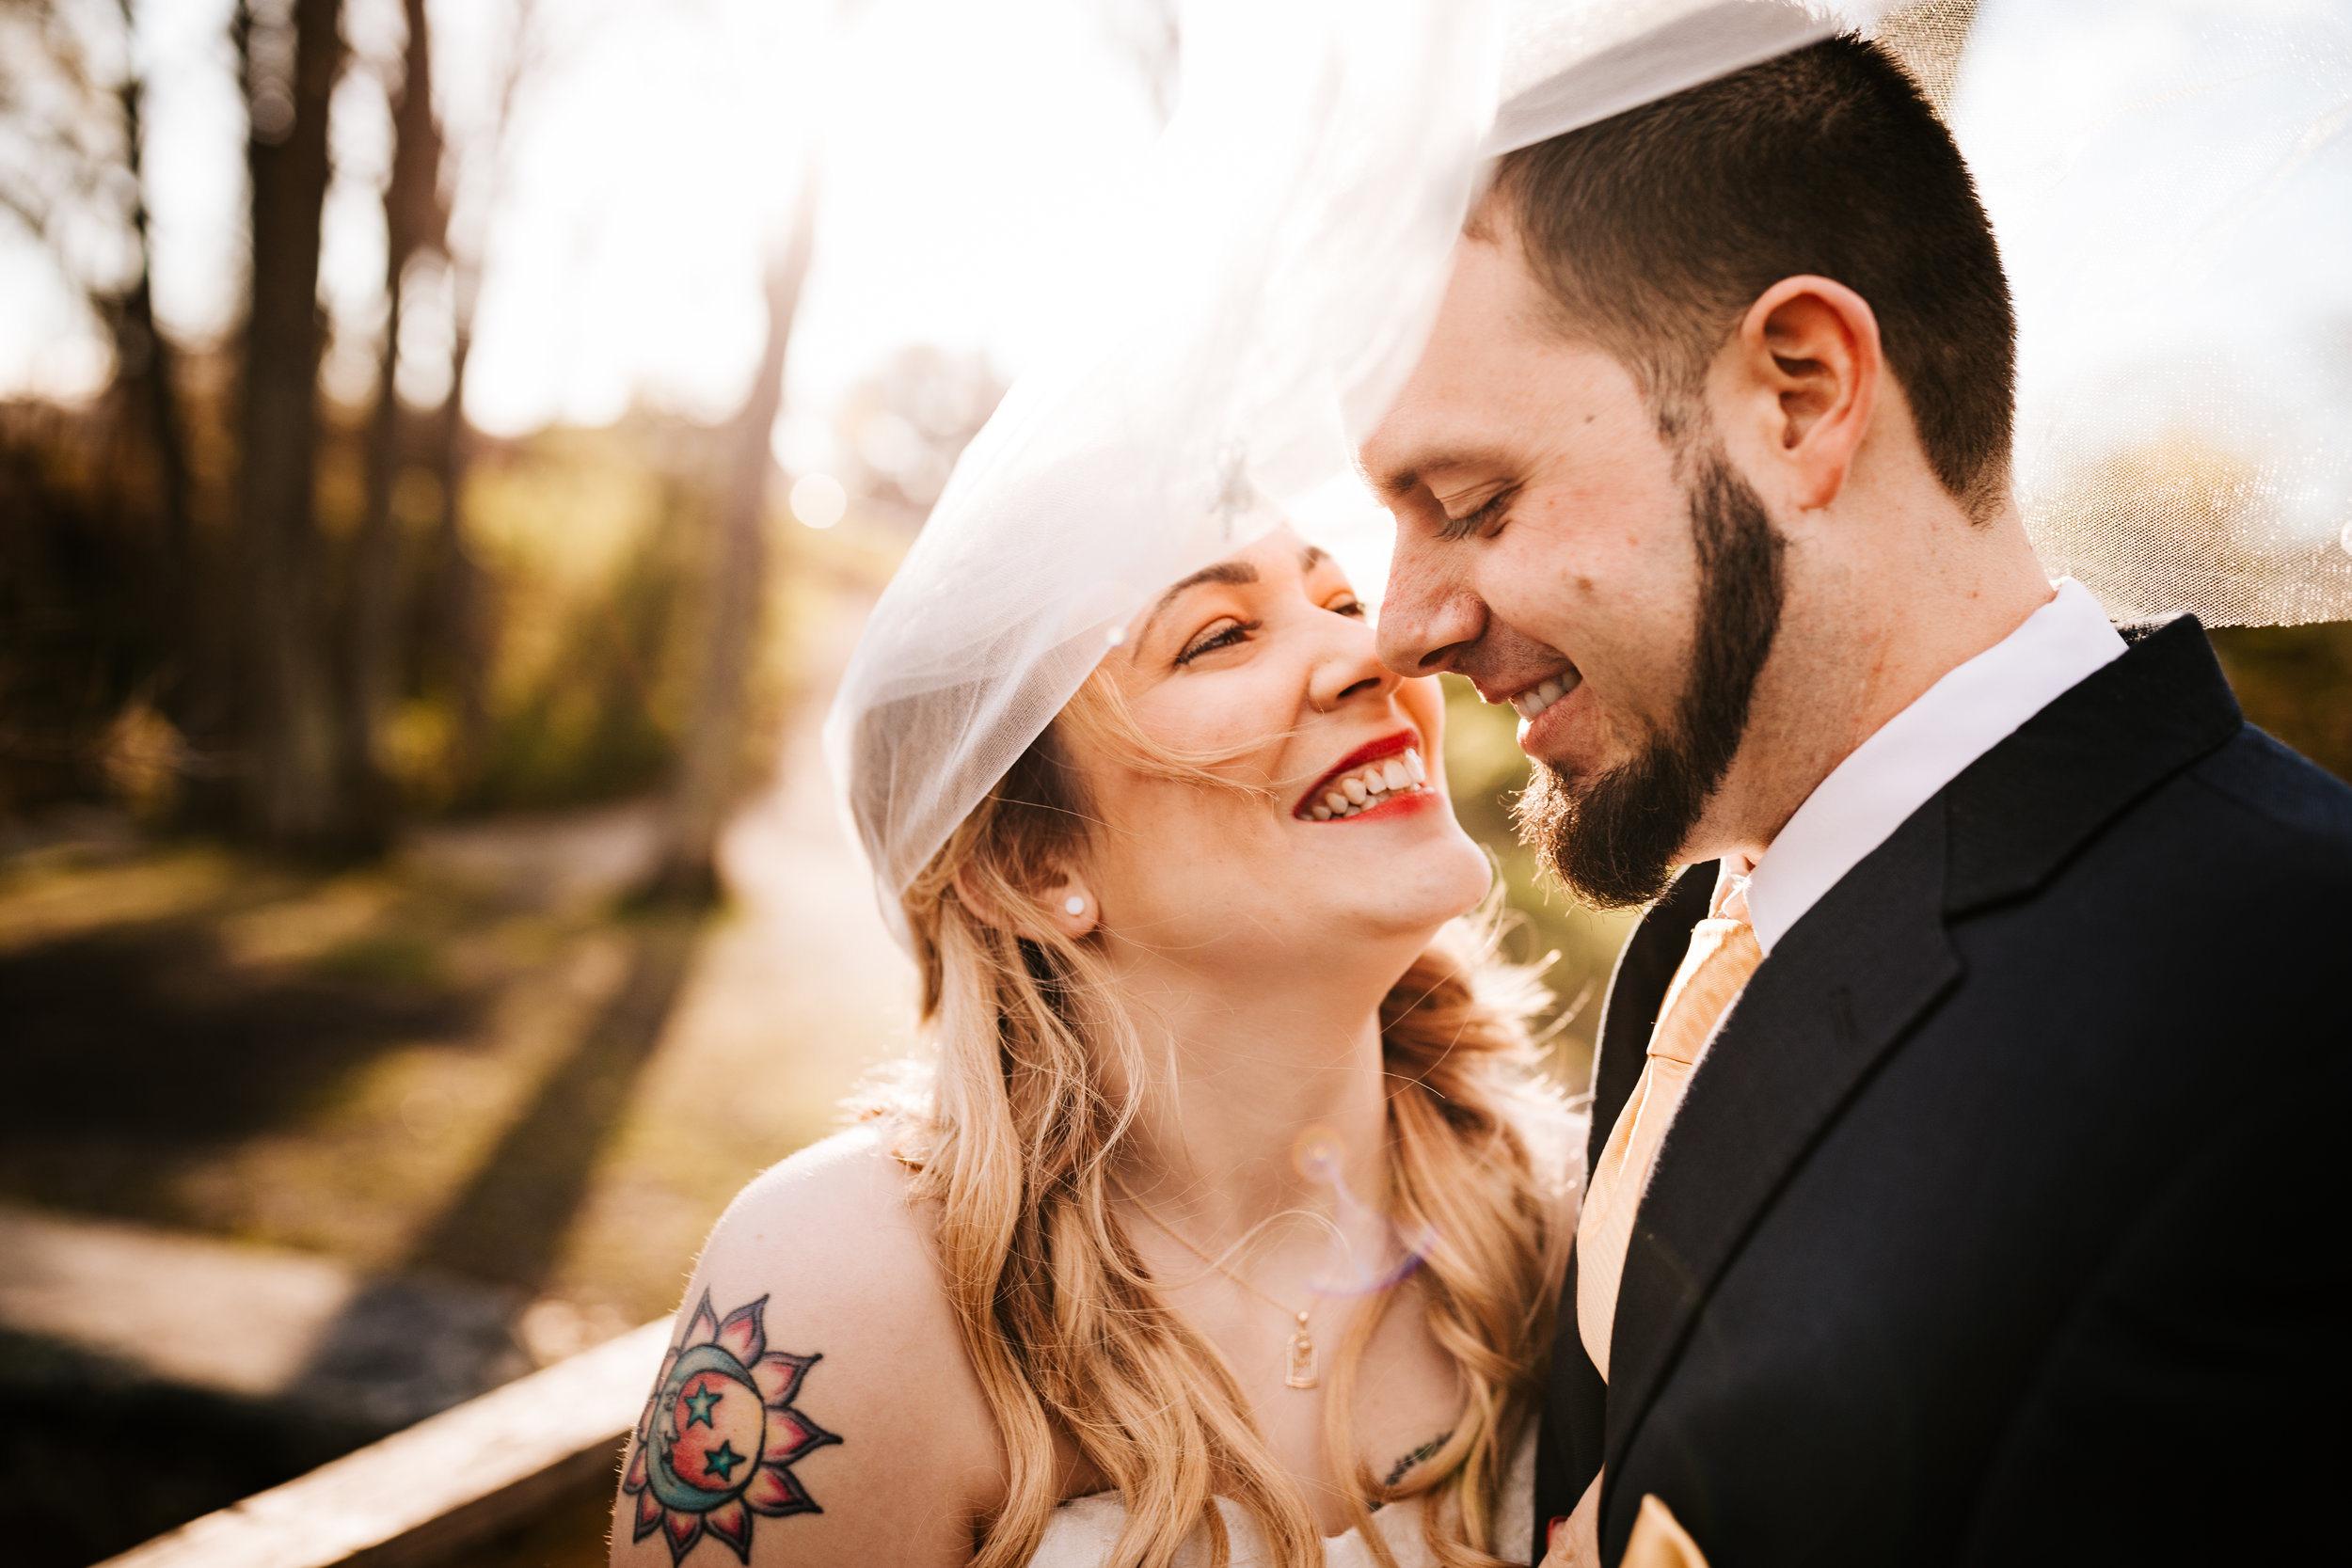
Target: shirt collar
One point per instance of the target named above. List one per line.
(1899, 767)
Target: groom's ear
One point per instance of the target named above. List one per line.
(1801, 378)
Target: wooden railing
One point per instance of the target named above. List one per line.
(451, 1482)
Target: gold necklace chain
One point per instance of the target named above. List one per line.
(1302, 1346)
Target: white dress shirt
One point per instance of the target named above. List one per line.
(1919, 751)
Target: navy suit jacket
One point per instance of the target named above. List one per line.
(2005, 1219)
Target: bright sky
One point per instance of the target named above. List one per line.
(657, 151)
(2174, 204)
(964, 145)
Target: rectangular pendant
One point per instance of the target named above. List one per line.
(1302, 1361)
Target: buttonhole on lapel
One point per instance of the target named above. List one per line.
(1842, 1014)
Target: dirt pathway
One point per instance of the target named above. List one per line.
(797, 992)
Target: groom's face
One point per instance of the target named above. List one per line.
(1620, 590)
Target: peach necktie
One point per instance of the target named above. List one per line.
(1724, 953)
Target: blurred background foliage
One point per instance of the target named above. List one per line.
(2296, 681)
(587, 549)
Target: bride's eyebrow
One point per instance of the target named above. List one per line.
(1236, 573)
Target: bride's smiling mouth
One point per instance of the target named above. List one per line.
(1388, 773)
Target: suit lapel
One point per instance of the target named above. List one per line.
(2030, 802)
(1836, 993)
(1839, 991)
(1569, 1449)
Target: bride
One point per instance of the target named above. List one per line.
(1233, 1204)
(1223, 1219)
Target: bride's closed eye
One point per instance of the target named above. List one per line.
(1221, 633)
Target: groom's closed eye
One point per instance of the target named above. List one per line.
(1484, 519)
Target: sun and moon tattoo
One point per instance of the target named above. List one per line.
(715, 1448)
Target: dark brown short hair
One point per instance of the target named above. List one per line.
(1656, 229)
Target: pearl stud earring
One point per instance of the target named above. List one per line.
(1075, 904)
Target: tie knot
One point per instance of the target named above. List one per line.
(1722, 931)
(1723, 954)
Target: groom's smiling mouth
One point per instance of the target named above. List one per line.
(1375, 774)
(1530, 702)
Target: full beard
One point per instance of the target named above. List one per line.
(1613, 837)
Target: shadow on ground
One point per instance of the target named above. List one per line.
(137, 1052)
(507, 1225)
(130, 1052)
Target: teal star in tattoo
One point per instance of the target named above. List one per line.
(721, 1461)
(701, 1404)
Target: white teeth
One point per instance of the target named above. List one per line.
(1531, 703)
(1368, 787)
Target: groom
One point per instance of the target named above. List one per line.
(1964, 1175)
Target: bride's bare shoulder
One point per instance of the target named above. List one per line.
(847, 1192)
(816, 1406)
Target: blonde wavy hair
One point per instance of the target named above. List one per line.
(1012, 1136)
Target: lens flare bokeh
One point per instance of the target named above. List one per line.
(1356, 1271)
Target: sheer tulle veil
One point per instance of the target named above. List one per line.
(1254, 305)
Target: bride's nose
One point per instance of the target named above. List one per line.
(1348, 668)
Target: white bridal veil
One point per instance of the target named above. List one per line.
(1262, 295)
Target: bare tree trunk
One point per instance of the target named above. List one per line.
(192, 685)
(708, 766)
(413, 220)
(461, 602)
(195, 687)
(461, 614)
(291, 794)
(144, 358)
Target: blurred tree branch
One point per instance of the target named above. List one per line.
(31, 215)
(709, 765)
(460, 618)
(72, 102)
(144, 358)
(56, 116)
(416, 221)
